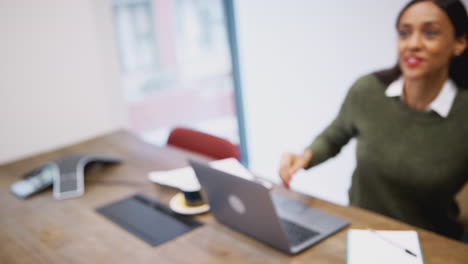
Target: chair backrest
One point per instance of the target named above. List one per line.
(203, 143)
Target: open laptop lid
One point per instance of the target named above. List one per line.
(241, 204)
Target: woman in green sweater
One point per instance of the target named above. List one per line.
(410, 122)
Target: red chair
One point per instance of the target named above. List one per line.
(206, 144)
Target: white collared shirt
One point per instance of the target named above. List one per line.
(441, 104)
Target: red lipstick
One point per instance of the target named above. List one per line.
(413, 61)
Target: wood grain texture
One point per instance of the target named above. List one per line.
(43, 230)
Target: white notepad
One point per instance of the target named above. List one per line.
(382, 246)
(185, 179)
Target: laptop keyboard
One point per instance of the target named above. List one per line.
(296, 233)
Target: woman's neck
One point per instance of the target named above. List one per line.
(419, 93)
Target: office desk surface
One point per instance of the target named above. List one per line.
(43, 230)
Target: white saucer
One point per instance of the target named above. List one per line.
(177, 204)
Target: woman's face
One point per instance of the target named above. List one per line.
(426, 41)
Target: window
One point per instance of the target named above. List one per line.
(176, 67)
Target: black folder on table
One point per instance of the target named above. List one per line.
(148, 219)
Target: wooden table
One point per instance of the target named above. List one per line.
(44, 230)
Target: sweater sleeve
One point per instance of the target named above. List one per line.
(339, 132)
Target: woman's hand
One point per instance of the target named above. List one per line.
(291, 163)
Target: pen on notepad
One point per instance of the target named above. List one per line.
(392, 243)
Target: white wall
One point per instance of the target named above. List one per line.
(59, 73)
(298, 59)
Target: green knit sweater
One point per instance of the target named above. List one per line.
(410, 164)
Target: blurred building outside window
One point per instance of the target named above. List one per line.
(176, 67)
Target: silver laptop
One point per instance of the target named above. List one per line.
(248, 207)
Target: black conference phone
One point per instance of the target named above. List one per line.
(65, 174)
